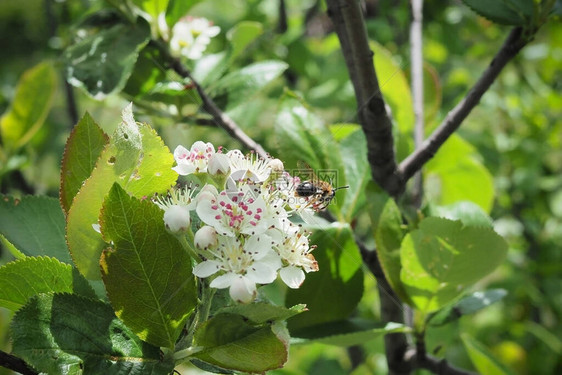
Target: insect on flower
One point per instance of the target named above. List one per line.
(318, 193)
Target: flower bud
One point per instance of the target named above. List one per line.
(276, 165)
(218, 164)
(177, 219)
(206, 237)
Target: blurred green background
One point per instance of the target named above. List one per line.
(516, 131)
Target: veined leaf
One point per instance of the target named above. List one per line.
(136, 158)
(443, 257)
(25, 278)
(68, 334)
(353, 150)
(34, 225)
(241, 35)
(261, 312)
(146, 259)
(82, 150)
(230, 341)
(507, 12)
(31, 105)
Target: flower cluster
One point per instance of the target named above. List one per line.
(244, 235)
(189, 37)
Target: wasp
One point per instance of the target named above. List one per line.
(318, 193)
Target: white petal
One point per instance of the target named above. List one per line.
(184, 168)
(224, 281)
(292, 276)
(261, 273)
(213, 217)
(258, 246)
(180, 153)
(206, 268)
(242, 290)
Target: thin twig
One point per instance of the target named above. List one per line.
(220, 118)
(416, 58)
(433, 364)
(513, 44)
(350, 27)
(282, 25)
(16, 364)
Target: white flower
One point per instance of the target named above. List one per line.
(190, 37)
(177, 219)
(251, 167)
(194, 160)
(162, 26)
(234, 212)
(276, 165)
(206, 237)
(242, 266)
(218, 164)
(291, 243)
(176, 206)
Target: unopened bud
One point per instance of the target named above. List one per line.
(218, 164)
(177, 219)
(276, 165)
(206, 237)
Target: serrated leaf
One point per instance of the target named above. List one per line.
(332, 293)
(231, 342)
(261, 312)
(482, 359)
(242, 84)
(34, 225)
(467, 305)
(506, 12)
(146, 73)
(353, 150)
(348, 332)
(146, 259)
(136, 158)
(455, 174)
(25, 278)
(82, 150)
(386, 222)
(101, 63)
(30, 107)
(443, 257)
(68, 334)
(241, 35)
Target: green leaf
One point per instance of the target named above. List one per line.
(456, 174)
(102, 62)
(34, 225)
(82, 150)
(302, 136)
(482, 359)
(241, 35)
(386, 221)
(68, 334)
(25, 278)
(136, 158)
(506, 12)
(467, 212)
(467, 305)
(146, 259)
(231, 342)
(442, 258)
(261, 312)
(30, 107)
(242, 84)
(396, 92)
(349, 332)
(178, 9)
(146, 73)
(152, 7)
(353, 150)
(332, 293)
